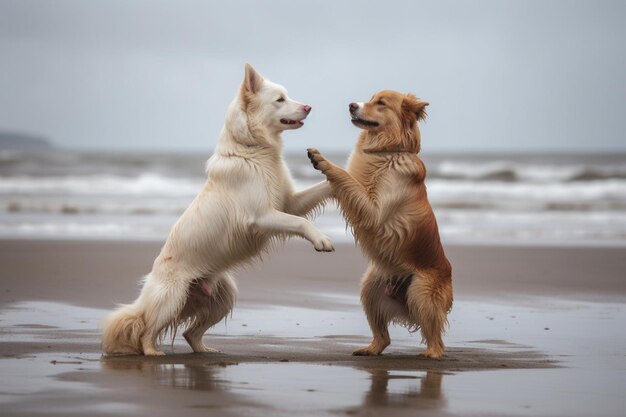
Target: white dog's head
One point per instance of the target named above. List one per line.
(269, 104)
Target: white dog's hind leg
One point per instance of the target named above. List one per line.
(277, 223)
(163, 300)
(209, 301)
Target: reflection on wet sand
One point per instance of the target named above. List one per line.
(428, 395)
(175, 375)
(411, 390)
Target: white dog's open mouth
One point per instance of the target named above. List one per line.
(292, 122)
(357, 121)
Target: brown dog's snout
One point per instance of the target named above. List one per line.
(353, 107)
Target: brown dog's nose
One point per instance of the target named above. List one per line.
(307, 109)
(353, 107)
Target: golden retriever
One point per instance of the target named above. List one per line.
(383, 197)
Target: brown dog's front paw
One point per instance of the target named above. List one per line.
(432, 354)
(317, 160)
(312, 151)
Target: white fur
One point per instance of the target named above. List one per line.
(247, 202)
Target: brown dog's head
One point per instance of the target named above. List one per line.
(390, 119)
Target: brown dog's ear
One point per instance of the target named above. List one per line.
(252, 80)
(415, 105)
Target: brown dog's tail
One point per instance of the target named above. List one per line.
(123, 330)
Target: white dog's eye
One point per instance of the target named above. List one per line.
(281, 99)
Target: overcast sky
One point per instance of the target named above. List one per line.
(499, 75)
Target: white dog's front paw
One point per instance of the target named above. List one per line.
(324, 244)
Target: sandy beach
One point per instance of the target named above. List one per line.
(535, 330)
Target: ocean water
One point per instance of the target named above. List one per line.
(577, 199)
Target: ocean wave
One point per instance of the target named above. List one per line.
(70, 206)
(69, 229)
(608, 194)
(466, 225)
(146, 184)
(508, 171)
(536, 226)
(475, 198)
(150, 195)
(504, 171)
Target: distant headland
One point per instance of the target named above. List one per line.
(21, 141)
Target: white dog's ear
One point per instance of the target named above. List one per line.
(252, 80)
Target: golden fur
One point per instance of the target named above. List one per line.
(383, 197)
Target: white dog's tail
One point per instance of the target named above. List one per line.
(123, 330)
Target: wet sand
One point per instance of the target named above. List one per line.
(534, 331)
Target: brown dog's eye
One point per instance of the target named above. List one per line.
(280, 100)
(380, 103)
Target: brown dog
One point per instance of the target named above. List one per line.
(383, 197)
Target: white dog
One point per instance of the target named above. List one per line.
(247, 201)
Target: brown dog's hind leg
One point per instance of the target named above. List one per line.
(373, 299)
(429, 301)
(380, 339)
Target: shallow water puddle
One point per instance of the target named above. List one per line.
(304, 389)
